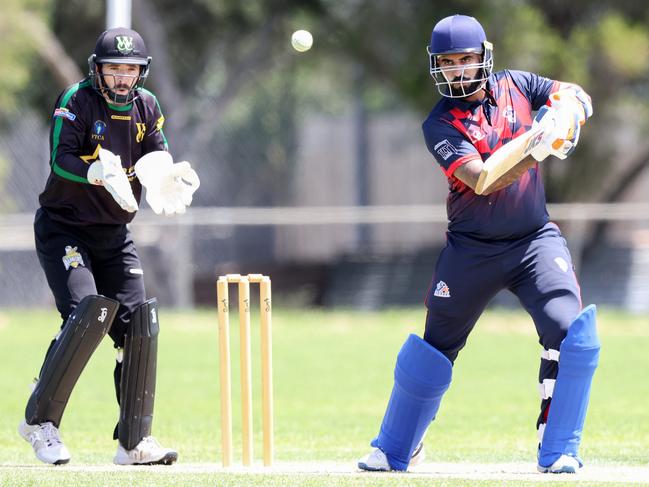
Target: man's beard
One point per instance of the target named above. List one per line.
(465, 87)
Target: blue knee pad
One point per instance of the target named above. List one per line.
(578, 358)
(421, 377)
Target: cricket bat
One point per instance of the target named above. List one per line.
(507, 157)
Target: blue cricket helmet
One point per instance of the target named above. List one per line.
(459, 34)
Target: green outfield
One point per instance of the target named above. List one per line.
(333, 375)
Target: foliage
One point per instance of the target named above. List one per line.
(212, 55)
(17, 51)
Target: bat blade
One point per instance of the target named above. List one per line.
(507, 157)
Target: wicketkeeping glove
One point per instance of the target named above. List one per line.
(108, 172)
(169, 187)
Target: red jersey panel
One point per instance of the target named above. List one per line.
(457, 131)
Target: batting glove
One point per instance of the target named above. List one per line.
(561, 127)
(576, 97)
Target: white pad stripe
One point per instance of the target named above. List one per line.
(550, 355)
(540, 432)
(546, 388)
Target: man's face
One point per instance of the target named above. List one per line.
(460, 67)
(120, 78)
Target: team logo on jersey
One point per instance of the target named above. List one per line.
(561, 262)
(510, 114)
(64, 113)
(72, 258)
(442, 290)
(124, 44)
(98, 130)
(445, 149)
(475, 133)
(141, 131)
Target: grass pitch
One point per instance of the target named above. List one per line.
(333, 376)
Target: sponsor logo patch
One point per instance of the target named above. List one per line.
(72, 258)
(120, 117)
(445, 149)
(510, 114)
(442, 290)
(98, 130)
(99, 127)
(64, 113)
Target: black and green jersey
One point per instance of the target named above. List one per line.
(82, 123)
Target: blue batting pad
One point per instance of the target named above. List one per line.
(578, 358)
(421, 376)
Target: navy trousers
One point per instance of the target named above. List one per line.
(538, 269)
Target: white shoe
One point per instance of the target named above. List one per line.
(376, 461)
(565, 464)
(45, 441)
(147, 452)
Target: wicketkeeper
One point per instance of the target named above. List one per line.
(502, 239)
(100, 127)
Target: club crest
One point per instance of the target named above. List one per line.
(124, 44)
(442, 290)
(72, 258)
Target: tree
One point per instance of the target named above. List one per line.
(213, 55)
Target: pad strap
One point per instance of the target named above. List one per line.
(579, 359)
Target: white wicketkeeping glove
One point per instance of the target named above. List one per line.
(169, 187)
(108, 172)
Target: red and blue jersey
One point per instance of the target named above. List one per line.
(457, 131)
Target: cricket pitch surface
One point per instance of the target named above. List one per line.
(469, 471)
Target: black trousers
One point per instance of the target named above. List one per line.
(91, 259)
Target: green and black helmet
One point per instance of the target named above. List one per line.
(119, 46)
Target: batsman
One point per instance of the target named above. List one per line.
(499, 239)
(106, 143)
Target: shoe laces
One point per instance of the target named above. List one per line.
(151, 441)
(377, 454)
(48, 433)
